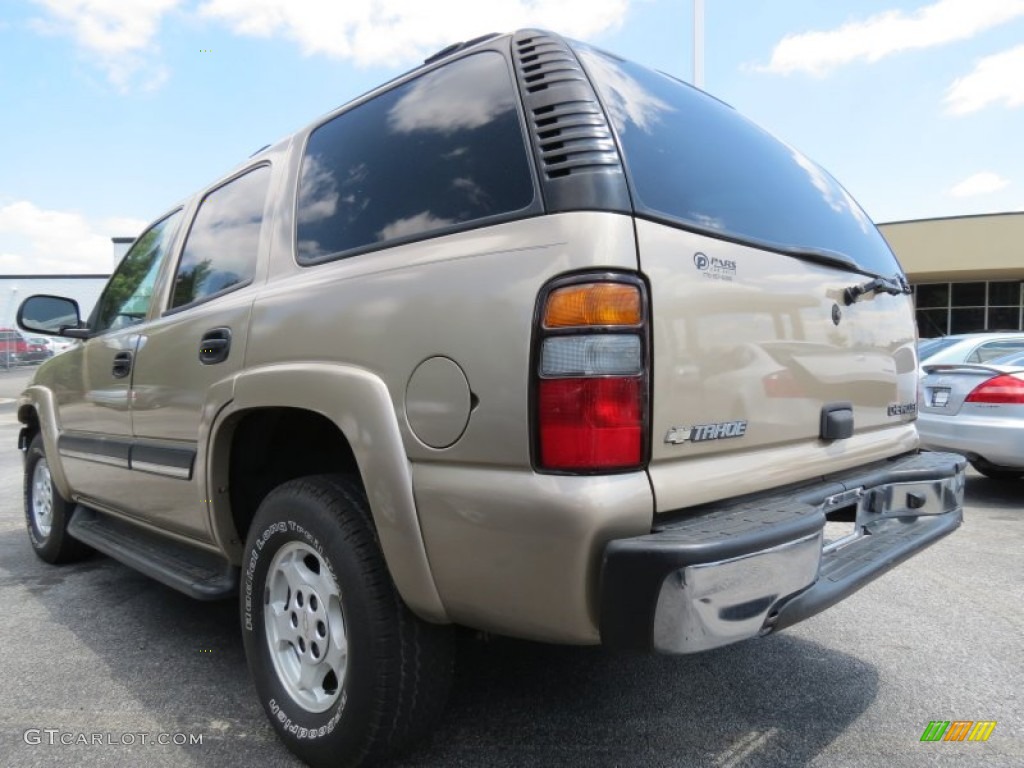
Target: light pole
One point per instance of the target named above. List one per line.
(698, 43)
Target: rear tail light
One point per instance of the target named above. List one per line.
(593, 304)
(591, 355)
(591, 376)
(590, 423)
(1004, 389)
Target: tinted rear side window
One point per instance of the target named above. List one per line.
(439, 152)
(693, 160)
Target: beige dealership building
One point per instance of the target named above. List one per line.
(967, 271)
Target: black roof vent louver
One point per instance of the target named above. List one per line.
(576, 154)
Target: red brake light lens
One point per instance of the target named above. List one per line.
(1003, 389)
(590, 423)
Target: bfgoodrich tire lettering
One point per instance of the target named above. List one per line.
(313, 573)
(47, 512)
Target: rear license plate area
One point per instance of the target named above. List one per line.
(840, 527)
(940, 397)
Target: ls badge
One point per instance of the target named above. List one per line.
(703, 432)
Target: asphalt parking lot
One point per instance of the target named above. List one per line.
(95, 652)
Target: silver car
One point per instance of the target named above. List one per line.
(976, 410)
(969, 347)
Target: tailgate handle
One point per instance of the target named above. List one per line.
(836, 421)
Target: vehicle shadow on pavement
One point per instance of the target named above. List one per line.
(759, 703)
(989, 493)
(180, 664)
(123, 654)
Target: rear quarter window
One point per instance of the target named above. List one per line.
(441, 152)
(695, 161)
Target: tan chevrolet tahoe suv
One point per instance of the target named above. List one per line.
(531, 340)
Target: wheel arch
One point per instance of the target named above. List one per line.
(29, 419)
(340, 419)
(38, 415)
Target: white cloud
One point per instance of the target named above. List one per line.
(37, 241)
(890, 32)
(121, 35)
(997, 78)
(393, 32)
(118, 34)
(984, 183)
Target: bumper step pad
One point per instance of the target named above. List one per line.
(846, 570)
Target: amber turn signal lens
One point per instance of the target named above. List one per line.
(593, 304)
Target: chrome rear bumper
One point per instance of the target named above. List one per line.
(735, 571)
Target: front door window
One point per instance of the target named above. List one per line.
(128, 295)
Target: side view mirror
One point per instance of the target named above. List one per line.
(51, 315)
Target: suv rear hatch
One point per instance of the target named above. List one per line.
(783, 338)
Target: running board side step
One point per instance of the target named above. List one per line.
(199, 574)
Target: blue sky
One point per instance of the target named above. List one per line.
(112, 110)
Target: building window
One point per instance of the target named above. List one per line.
(947, 308)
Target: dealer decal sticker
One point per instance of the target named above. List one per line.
(958, 730)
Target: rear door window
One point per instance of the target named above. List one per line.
(222, 246)
(442, 152)
(694, 161)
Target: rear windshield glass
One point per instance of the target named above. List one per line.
(926, 349)
(1017, 358)
(695, 161)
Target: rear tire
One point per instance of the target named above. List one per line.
(47, 512)
(995, 473)
(346, 673)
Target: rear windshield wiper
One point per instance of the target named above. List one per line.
(896, 285)
(822, 256)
